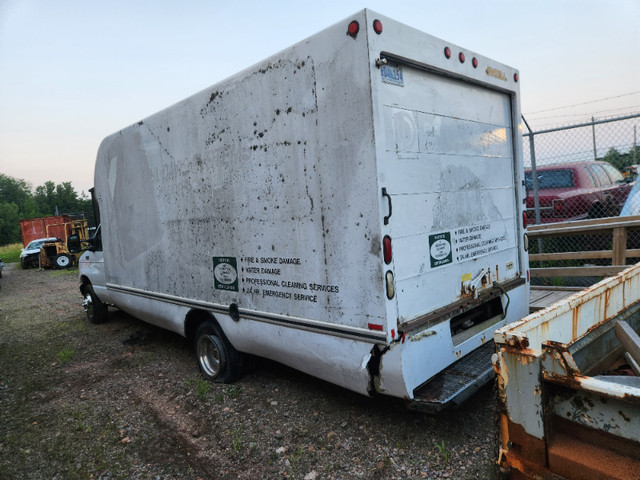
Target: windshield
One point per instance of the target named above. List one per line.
(35, 244)
(551, 179)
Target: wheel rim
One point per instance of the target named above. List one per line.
(87, 305)
(63, 261)
(209, 355)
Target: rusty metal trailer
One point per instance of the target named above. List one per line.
(560, 416)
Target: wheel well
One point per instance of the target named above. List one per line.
(596, 210)
(84, 282)
(194, 319)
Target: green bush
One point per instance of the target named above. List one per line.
(10, 253)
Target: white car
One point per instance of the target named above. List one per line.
(30, 254)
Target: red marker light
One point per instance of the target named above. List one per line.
(461, 57)
(377, 26)
(447, 52)
(474, 62)
(353, 29)
(386, 248)
(515, 77)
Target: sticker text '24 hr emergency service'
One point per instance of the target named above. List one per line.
(277, 277)
(467, 243)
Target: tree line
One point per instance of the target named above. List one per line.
(18, 202)
(621, 160)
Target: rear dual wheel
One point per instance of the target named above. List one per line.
(218, 360)
(95, 310)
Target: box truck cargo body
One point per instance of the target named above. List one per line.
(351, 207)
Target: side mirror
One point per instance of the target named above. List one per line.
(74, 244)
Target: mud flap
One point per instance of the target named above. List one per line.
(456, 383)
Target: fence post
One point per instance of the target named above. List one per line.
(593, 131)
(635, 148)
(534, 179)
(619, 246)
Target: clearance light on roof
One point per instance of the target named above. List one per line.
(447, 52)
(461, 57)
(353, 29)
(377, 26)
(515, 77)
(474, 62)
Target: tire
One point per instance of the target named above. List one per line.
(94, 308)
(217, 359)
(63, 261)
(24, 264)
(597, 211)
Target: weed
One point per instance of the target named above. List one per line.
(234, 392)
(66, 355)
(237, 441)
(443, 452)
(202, 389)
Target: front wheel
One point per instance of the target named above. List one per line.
(218, 360)
(94, 308)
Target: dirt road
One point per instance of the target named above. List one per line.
(123, 400)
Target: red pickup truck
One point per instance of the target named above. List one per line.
(574, 191)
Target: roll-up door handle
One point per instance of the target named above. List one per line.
(385, 194)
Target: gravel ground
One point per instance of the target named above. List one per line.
(123, 400)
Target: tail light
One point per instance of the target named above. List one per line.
(386, 249)
(524, 219)
(558, 207)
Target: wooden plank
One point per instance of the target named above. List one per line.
(542, 298)
(619, 246)
(553, 288)
(540, 257)
(580, 230)
(604, 271)
(633, 221)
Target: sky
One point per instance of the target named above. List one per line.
(73, 72)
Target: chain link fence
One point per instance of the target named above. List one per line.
(585, 171)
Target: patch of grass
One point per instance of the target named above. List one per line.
(10, 253)
(66, 355)
(202, 389)
(64, 272)
(234, 391)
(443, 453)
(237, 442)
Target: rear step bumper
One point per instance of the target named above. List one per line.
(456, 383)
